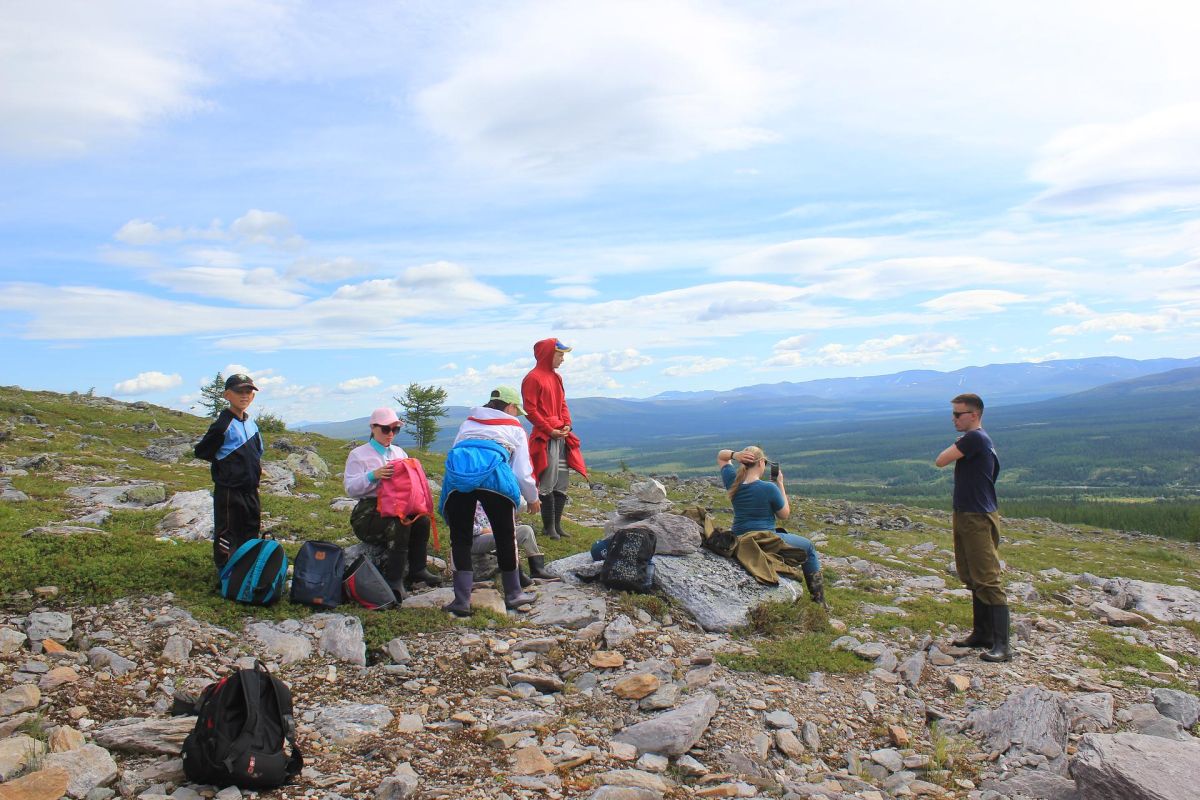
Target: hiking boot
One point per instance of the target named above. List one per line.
(537, 568)
(397, 564)
(422, 575)
(1000, 650)
(815, 582)
(560, 503)
(981, 632)
(460, 606)
(513, 595)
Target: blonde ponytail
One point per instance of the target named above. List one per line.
(740, 478)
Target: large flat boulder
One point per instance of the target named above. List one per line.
(672, 733)
(717, 592)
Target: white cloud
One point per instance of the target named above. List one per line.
(1120, 338)
(804, 258)
(573, 292)
(974, 301)
(900, 347)
(146, 382)
(1142, 164)
(426, 290)
(794, 343)
(1070, 309)
(327, 270)
(696, 365)
(560, 86)
(1123, 322)
(610, 361)
(247, 287)
(140, 233)
(265, 227)
(358, 384)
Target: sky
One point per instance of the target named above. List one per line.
(344, 198)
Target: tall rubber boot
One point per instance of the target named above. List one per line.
(1000, 650)
(513, 595)
(815, 582)
(418, 559)
(548, 529)
(460, 606)
(981, 631)
(397, 562)
(560, 503)
(526, 581)
(537, 568)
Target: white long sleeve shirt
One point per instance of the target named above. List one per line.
(514, 439)
(362, 461)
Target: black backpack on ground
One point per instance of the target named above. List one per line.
(317, 576)
(244, 732)
(628, 564)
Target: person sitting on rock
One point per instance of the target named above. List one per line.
(407, 545)
(488, 465)
(484, 544)
(758, 503)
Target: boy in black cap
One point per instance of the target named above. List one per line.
(234, 447)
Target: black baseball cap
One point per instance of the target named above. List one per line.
(239, 381)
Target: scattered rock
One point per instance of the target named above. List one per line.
(87, 768)
(1128, 766)
(342, 638)
(672, 732)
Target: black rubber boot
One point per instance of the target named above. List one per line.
(397, 562)
(548, 529)
(513, 595)
(537, 568)
(1000, 650)
(560, 503)
(526, 581)
(418, 559)
(460, 606)
(981, 632)
(816, 588)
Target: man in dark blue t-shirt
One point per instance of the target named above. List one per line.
(977, 527)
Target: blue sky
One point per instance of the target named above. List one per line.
(343, 198)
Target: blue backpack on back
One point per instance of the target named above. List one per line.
(255, 573)
(317, 577)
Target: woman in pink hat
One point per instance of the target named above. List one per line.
(407, 545)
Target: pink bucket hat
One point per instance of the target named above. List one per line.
(385, 416)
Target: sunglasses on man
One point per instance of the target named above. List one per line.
(958, 414)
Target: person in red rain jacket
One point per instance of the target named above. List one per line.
(553, 445)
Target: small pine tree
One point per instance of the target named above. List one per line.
(423, 406)
(212, 397)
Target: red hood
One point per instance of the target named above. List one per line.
(543, 353)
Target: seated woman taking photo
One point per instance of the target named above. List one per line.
(758, 502)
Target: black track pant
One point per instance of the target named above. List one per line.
(237, 518)
(460, 515)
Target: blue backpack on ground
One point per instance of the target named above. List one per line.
(317, 576)
(255, 573)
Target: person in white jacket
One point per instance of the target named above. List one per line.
(407, 545)
(488, 465)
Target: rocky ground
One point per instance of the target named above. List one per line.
(588, 693)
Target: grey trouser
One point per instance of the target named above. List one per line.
(554, 477)
(977, 555)
(525, 540)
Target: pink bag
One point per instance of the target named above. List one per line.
(406, 495)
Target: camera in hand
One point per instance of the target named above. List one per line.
(773, 468)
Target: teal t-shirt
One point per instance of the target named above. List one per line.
(754, 505)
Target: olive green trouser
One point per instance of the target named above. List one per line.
(977, 556)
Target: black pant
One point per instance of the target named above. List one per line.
(460, 515)
(237, 518)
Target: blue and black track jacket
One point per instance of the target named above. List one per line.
(235, 448)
